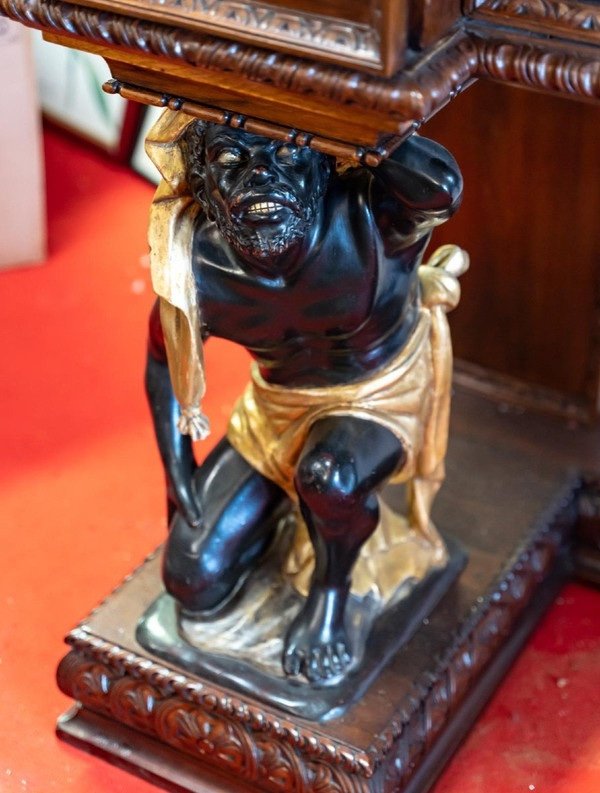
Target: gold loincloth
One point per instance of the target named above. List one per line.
(410, 396)
(270, 423)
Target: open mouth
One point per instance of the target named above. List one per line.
(264, 210)
(274, 207)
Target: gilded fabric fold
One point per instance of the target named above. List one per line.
(411, 397)
(170, 235)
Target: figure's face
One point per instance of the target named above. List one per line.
(263, 193)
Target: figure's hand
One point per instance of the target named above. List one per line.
(176, 449)
(183, 497)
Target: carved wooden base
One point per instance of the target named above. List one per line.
(280, 757)
(512, 508)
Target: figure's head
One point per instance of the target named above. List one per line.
(262, 193)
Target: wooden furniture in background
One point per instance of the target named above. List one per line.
(529, 219)
(351, 80)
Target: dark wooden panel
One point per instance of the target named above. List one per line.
(432, 19)
(530, 222)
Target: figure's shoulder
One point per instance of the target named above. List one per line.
(354, 180)
(349, 212)
(351, 189)
(425, 156)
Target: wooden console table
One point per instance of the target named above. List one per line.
(349, 79)
(353, 73)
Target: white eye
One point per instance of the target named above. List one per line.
(286, 152)
(229, 157)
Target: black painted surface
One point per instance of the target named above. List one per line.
(375, 643)
(315, 273)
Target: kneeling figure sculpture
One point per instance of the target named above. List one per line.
(317, 272)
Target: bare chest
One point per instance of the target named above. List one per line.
(323, 300)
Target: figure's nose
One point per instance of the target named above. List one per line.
(260, 175)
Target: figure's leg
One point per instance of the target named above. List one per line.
(344, 462)
(202, 566)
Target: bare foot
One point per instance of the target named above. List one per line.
(317, 644)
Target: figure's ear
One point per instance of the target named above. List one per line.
(193, 147)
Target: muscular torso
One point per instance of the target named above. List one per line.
(344, 311)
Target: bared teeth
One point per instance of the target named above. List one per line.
(263, 207)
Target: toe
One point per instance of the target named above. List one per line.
(335, 664)
(314, 668)
(343, 654)
(326, 670)
(292, 662)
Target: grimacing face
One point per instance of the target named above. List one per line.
(262, 193)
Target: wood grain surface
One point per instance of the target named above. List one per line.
(529, 220)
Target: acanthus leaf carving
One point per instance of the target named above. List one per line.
(133, 703)
(216, 739)
(282, 25)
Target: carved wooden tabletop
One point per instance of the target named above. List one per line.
(352, 73)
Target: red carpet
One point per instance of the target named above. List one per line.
(82, 503)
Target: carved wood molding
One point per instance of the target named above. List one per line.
(208, 724)
(555, 69)
(192, 693)
(262, 758)
(414, 94)
(556, 16)
(324, 36)
(423, 717)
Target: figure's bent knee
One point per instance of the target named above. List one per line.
(324, 480)
(193, 583)
(197, 577)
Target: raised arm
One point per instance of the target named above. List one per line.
(417, 188)
(175, 449)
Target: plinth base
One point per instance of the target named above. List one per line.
(132, 750)
(511, 508)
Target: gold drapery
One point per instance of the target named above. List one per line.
(170, 234)
(411, 397)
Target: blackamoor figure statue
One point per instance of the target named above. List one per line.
(315, 268)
